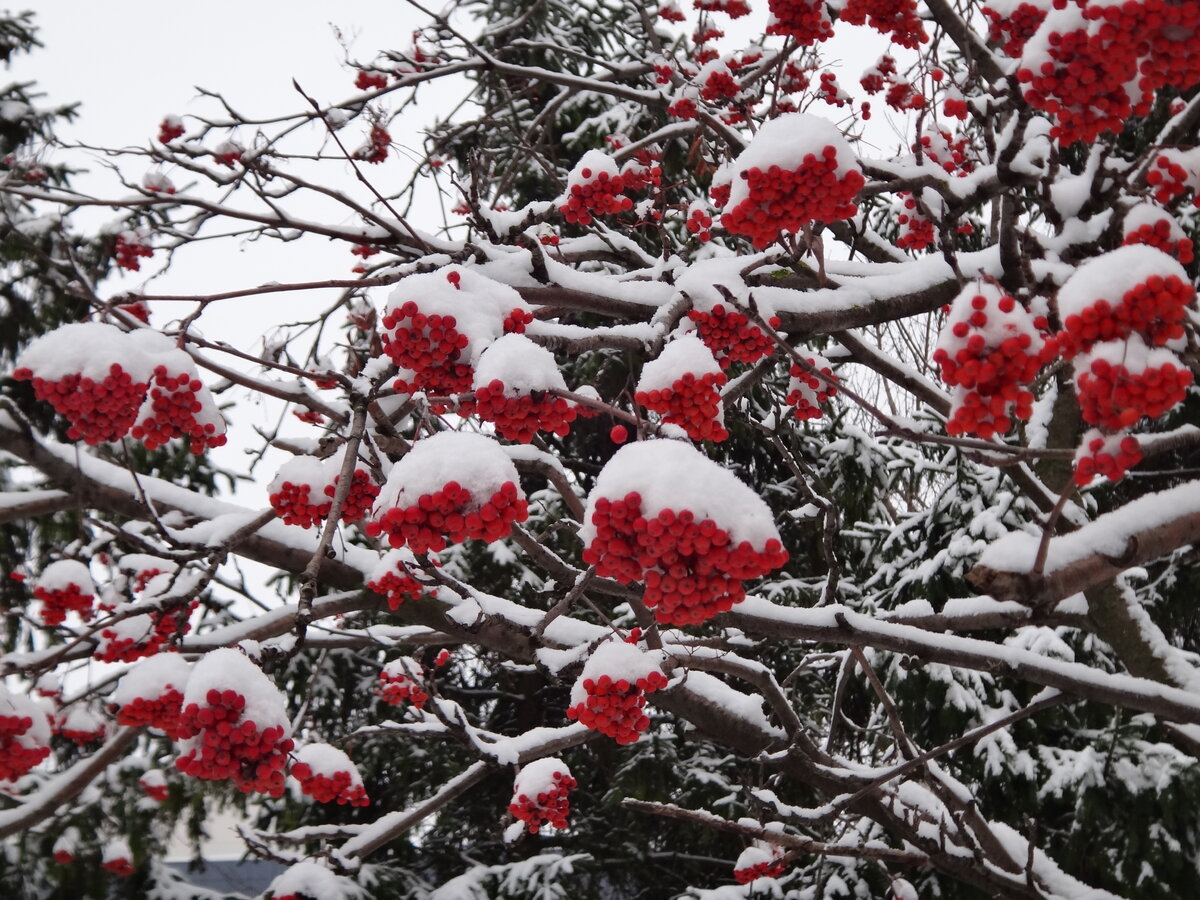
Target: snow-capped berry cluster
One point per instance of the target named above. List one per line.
(897, 18)
(798, 169)
(807, 390)
(665, 515)
(375, 150)
(133, 637)
(1119, 382)
(397, 686)
(63, 851)
(1093, 65)
(735, 9)
(177, 403)
(916, 231)
(1155, 227)
(65, 586)
(759, 861)
(392, 578)
(328, 775)
(1134, 289)
(301, 492)
(716, 82)
(150, 695)
(116, 858)
(154, 785)
(1108, 455)
(1013, 22)
(512, 383)
(437, 324)
(541, 794)
(130, 249)
(699, 222)
(79, 724)
(236, 725)
(169, 129)
(683, 384)
(730, 336)
(98, 377)
(805, 20)
(309, 880)
(610, 694)
(595, 187)
(449, 488)
(989, 348)
(24, 735)
(1173, 173)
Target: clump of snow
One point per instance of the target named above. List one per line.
(520, 364)
(227, 669)
(88, 349)
(478, 463)
(679, 357)
(1110, 275)
(674, 475)
(314, 881)
(537, 777)
(150, 678)
(59, 576)
(619, 661)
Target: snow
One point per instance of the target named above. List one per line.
(151, 677)
(227, 669)
(86, 348)
(618, 660)
(520, 364)
(784, 142)
(58, 576)
(1110, 275)
(476, 462)
(674, 475)
(746, 707)
(314, 881)
(684, 355)
(114, 849)
(19, 705)
(537, 777)
(325, 759)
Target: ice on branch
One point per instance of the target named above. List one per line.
(683, 384)
(448, 488)
(236, 725)
(797, 170)
(664, 514)
(610, 693)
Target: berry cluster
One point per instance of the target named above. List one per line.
(98, 410)
(161, 712)
(699, 223)
(916, 231)
(370, 81)
(1155, 308)
(174, 408)
(830, 91)
(683, 108)
(614, 706)
(115, 859)
(1161, 232)
(519, 416)
(805, 20)
(954, 154)
(692, 402)
(328, 776)
(1110, 456)
(1119, 383)
(23, 744)
(1174, 173)
(717, 82)
(807, 391)
(57, 602)
(730, 335)
(596, 194)
(359, 499)
(143, 635)
(1012, 29)
(392, 579)
(375, 150)
(989, 348)
(129, 250)
(170, 128)
(79, 725)
(898, 18)
(782, 199)
(396, 688)
(154, 785)
(759, 862)
(541, 794)
(297, 490)
(735, 9)
(427, 346)
(692, 570)
(226, 744)
(293, 504)
(450, 516)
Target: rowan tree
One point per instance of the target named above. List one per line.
(674, 492)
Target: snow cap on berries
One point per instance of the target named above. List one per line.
(328, 775)
(24, 735)
(312, 880)
(520, 364)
